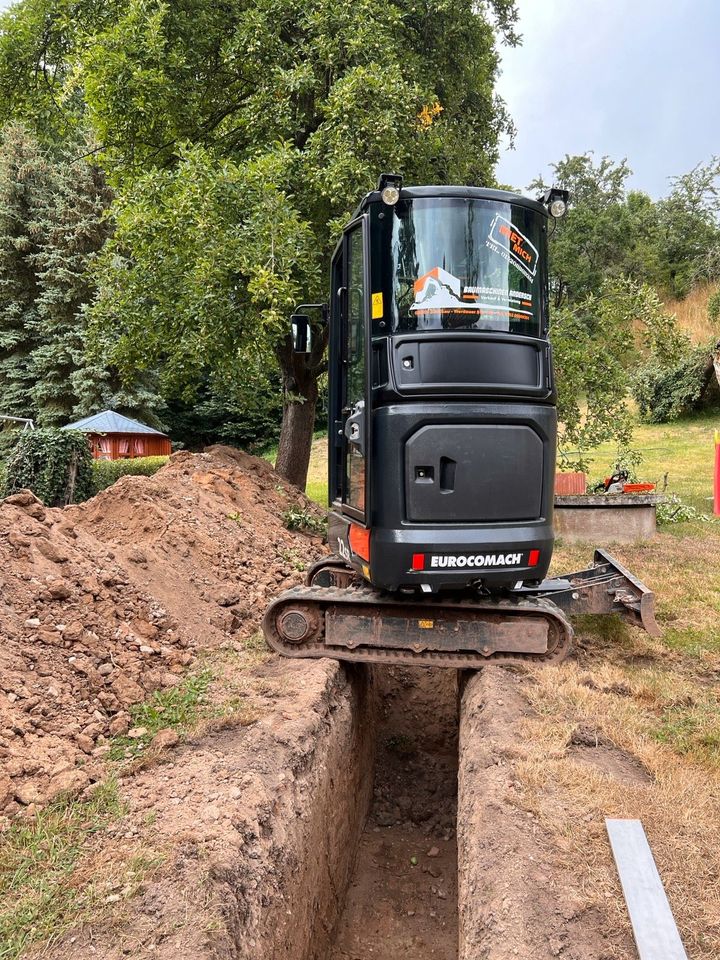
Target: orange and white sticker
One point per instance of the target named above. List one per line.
(513, 246)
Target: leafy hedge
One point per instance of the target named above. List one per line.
(666, 391)
(55, 464)
(106, 472)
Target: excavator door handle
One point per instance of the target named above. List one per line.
(355, 427)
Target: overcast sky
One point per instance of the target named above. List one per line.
(628, 78)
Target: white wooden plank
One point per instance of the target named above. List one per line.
(656, 934)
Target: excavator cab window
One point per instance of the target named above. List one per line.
(349, 319)
(457, 264)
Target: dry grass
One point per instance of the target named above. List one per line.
(657, 702)
(692, 313)
(679, 808)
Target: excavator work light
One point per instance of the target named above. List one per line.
(390, 185)
(555, 201)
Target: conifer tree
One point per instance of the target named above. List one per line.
(73, 225)
(26, 185)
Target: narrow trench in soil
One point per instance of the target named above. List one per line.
(402, 899)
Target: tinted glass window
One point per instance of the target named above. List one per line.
(355, 352)
(466, 265)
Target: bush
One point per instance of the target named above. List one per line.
(667, 391)
(305, 520)
(55, 464)
(713, 307)
(106, 472)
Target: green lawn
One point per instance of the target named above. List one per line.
(684, 450)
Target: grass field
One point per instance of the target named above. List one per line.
(684, 450)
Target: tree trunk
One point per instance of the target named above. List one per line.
(296, 435)
(300, 374)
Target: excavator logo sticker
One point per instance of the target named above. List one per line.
(513, 246)
(480, 560)
(437, 290)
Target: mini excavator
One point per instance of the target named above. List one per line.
(442, 436)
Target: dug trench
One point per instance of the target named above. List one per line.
(324, 812)
(381, 817)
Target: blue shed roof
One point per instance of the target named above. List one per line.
(110, 422)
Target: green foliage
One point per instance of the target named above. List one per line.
(591, 240)
(667, 390)
(713, 307)
(239, 136)
(73, 227)
(106, 472)
(178, 708)
(298, 519)
(206, 256)
(609, 232)
(674, 510)
(25, 187)
(55, 464)
(240, 407)
(598, 345)
(53, 221)
(689, 229)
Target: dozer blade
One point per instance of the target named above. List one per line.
(606, 587)
(361, 624)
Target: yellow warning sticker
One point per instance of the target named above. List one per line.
(377, 306)
(426, 624)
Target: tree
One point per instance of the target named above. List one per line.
(591, 240)
(689, 229)
(25, 187)
(240, 137)
(609, 232)
(599, 344)
(53, 220)
(73, 227)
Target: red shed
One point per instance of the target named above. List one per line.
(115, 437)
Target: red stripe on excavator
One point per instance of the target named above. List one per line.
(359, 538)
(418, 561)
(534, 558)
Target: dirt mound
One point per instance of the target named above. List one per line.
(103, 603)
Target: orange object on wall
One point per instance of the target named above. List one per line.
(638, 487)
(570, 483)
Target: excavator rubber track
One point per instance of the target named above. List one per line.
(337, 614)
(358, 623)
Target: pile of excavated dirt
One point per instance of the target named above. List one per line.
(103, 603)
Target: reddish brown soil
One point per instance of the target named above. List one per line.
(402, 900)
(103, 603)
(518, 897)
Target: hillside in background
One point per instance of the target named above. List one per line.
(692, 312)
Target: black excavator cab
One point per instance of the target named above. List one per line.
(442, 436)
(442, 401)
